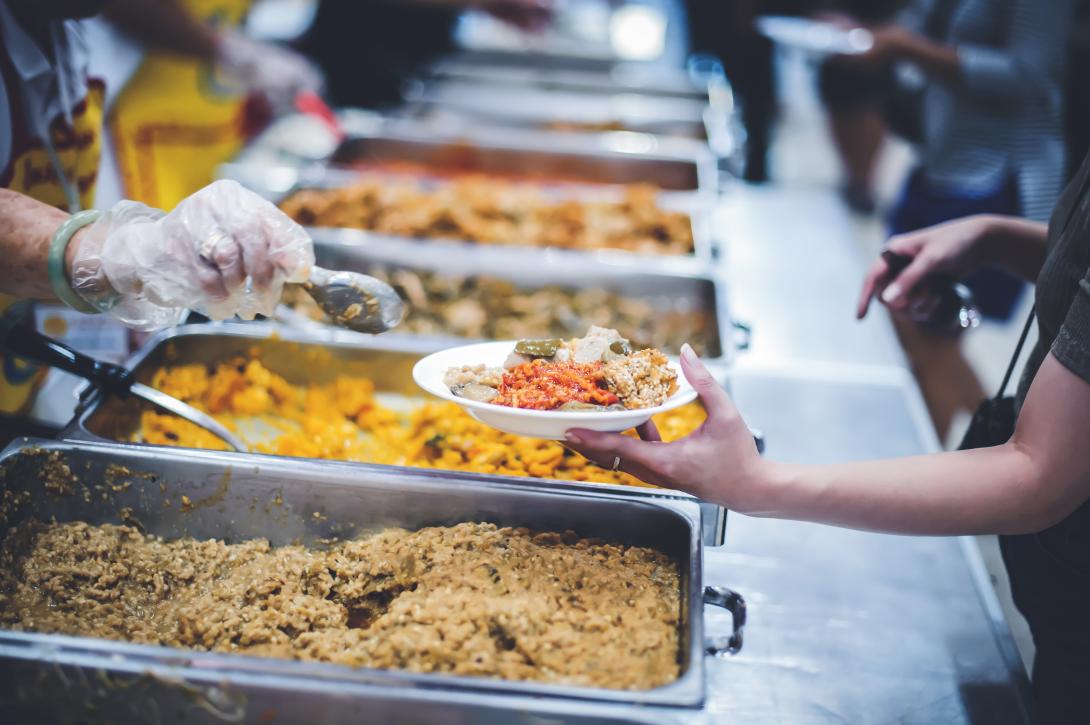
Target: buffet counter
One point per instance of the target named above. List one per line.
(843, 626)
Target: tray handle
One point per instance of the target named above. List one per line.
(731, 601)
(742, 335)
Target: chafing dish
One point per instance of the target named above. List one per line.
(673, 167)
(308, 357)
(665, 290)
(236, 497)
(655, 80)
(527, 109)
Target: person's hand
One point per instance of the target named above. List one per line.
(889, 42)
(223, 251)
(952, 248)
(530, 15)
(718, 462)
(276, 72)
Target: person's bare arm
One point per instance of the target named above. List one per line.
(165, 24)
(26, 226)
(1035, 480)
(936, 59)
(1026, 485)
(1019, 245)
(1017, 72)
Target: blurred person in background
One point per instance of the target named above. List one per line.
(850, 92)
(367, 49)
(222, 251)
(199, 91)
(725, 29)
(1076, 101)
(977, 85)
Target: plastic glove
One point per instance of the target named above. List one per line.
(223, 251)
(274, 71)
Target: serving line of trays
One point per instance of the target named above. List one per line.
(582, 168)
(305, 357)
(173, 493)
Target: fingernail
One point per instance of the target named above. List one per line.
(573, 438)
(891, 293)
(689, 354)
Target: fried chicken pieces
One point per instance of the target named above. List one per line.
(487, 211)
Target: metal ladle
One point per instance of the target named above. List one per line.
(356, 301)
(21, 340)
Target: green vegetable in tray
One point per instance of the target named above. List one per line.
(538, 348)
(621, 347)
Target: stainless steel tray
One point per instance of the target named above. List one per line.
(236, 496)
(293, 354)
(653, 81)
(536, 108)
(701, 261)
(673, 167)
(664, 289)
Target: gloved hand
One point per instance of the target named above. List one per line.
(272, 70)
(223, 251)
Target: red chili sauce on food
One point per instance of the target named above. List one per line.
(541, 385)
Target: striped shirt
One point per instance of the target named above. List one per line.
(1004, 118)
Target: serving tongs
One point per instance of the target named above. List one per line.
(19, 339)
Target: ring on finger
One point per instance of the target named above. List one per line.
(207, 251)
(616, 463)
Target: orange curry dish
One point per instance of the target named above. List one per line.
(543, 385)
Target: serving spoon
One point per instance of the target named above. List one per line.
(19, 339)
(356, 301)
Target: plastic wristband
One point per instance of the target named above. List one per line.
(58, 246)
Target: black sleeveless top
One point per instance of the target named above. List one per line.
(1050, 570)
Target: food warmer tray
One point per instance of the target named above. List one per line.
(578, 35)
(705, 249)
(705, 292)
(652, 81)
(670, 164)
(534, 110)
(238, 496)
(306, 357)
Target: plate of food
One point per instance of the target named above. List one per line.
(543, 388)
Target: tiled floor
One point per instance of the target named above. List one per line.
(804, 166)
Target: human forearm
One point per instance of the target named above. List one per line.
(1018, 245)
(964, 492)
(938, 60)
(1035, 480)
(26, 226)
(165, 24)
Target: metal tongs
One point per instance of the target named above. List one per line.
(19, 339)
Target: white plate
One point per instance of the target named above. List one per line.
(815, 36)
(551, 424)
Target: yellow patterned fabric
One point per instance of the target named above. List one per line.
(175, 122)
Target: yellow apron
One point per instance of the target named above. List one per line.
(78, 150)
(175, 121)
